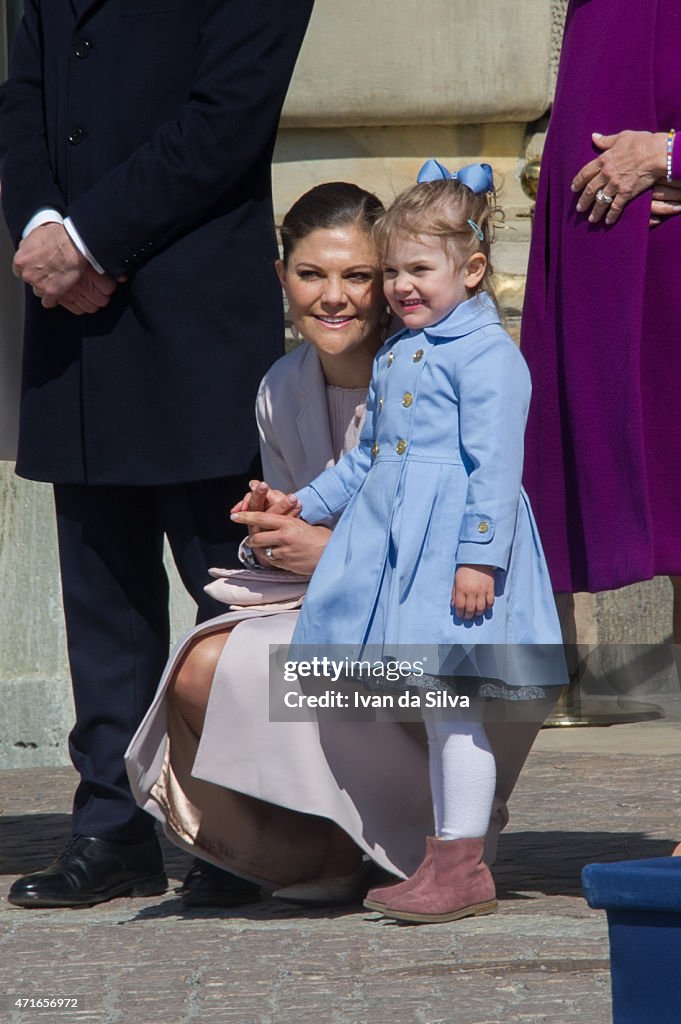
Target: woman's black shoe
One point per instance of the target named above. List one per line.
(208, 886)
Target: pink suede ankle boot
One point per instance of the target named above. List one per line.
(381, 896)
(456, 883)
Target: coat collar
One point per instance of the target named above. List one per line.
(467, 317)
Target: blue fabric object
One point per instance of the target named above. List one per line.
(653, 884)
(642, 899)
(476, 177)
(434, 483)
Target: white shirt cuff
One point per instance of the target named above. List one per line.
(45, 215)
(48, 215)
(80, 245)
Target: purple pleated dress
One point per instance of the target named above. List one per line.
(602, 319)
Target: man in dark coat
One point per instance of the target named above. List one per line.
(136, 139)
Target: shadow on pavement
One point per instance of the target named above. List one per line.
(548, 862)
(30, 842)
(552, 862)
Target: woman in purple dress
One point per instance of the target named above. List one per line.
(602, 318)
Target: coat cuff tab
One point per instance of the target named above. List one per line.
(476, 528)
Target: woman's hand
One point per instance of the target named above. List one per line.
(666, 201)
(631, 163)
(296, 545)
(473, 590)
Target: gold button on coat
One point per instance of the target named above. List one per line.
(401, 447)
(374, 449)
(380, 404)
(407, 399)
(391, 356)
(483, 528)
(418, 355)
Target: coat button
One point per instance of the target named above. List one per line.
(483, 528)
(82, 48)
(76, 136)
(380, 404)
(401, 447)
(374, 449)
(418, 355)
(391, 356)
(407, 399)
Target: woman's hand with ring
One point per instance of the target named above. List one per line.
(298, 546)
(631, 163)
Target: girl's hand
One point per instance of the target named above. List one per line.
(262, 498)
(631, 163)
(296, 545)
(666, 201)
(473, 590)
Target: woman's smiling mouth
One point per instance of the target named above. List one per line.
(334, 322)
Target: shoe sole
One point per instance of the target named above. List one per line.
(375, 905)
(155, 886)
(476, 910)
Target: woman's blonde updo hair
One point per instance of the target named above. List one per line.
(442, 209)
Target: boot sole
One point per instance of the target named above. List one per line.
(375, 905)
(157, 885)
(476, 910)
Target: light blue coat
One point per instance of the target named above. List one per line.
(434, 483)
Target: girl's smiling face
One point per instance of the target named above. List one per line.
(423, 281)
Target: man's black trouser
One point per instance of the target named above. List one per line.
(115, 592)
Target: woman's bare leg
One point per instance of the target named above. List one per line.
(189, 691)
(343, 856)
(191, 684)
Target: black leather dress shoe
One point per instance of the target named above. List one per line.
(91, 871)
(208, 886)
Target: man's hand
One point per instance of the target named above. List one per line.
(49, 262)
(92, 292)
(473, 590)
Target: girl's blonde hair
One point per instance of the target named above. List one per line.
(443, 209)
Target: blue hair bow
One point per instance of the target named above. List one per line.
(476, 177)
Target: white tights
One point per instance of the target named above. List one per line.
(462, 774)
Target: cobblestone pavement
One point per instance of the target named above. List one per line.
(543, 959)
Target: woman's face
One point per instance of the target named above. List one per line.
(334, 288)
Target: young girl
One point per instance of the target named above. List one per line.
(436, 544)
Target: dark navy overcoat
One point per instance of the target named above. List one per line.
(151, 123)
